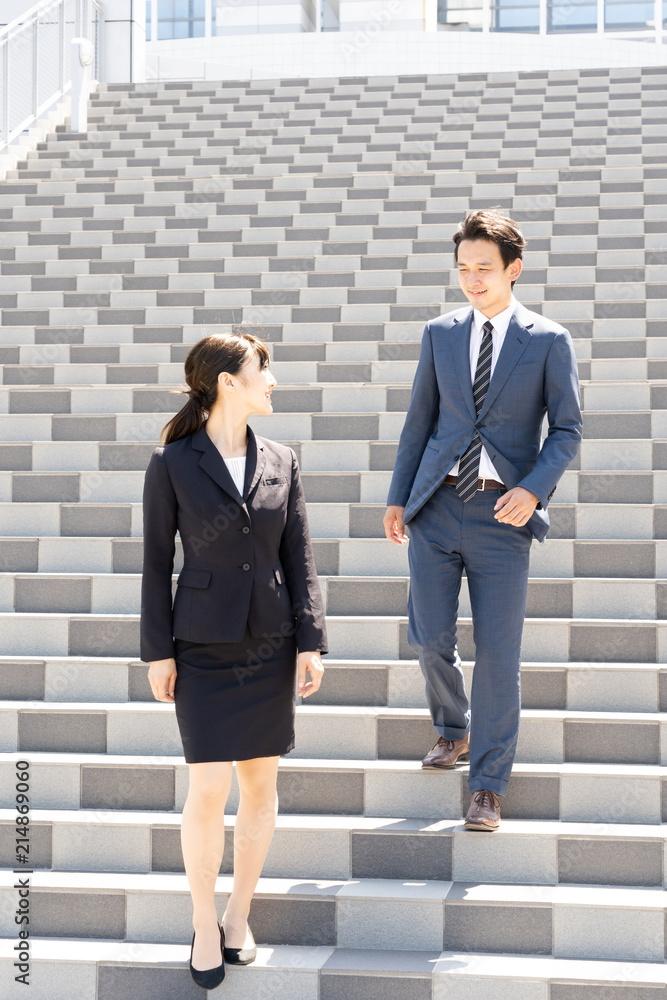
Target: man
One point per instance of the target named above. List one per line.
(473, 479)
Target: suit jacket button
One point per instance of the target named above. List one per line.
(245, 529)
(246, 565)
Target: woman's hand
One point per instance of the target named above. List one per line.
(313, 664)
(162, 678)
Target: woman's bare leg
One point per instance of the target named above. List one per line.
(202, 843)
(255, 823)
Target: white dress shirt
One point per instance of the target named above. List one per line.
(500, 324)
(236, 467)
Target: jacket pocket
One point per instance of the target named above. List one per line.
(531, 368)
(189, 577)
(274, 480)
(278, 575)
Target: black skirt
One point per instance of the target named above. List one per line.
(235, 700)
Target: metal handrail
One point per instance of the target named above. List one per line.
(35, 70)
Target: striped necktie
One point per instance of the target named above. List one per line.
(466, 484)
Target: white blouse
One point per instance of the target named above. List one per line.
(236, 467)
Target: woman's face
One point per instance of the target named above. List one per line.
(254, 394)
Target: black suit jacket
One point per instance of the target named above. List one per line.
(246, 559)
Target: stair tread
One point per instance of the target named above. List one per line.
(292, 763)
(640, 897)
(287, 958)
(350, 711)
(318, 822)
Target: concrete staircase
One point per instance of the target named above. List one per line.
(323, 213)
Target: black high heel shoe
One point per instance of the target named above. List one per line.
(240, 956)
(209, 978)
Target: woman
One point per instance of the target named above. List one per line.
(247, 620)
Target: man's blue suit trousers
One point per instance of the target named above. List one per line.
(447, 536)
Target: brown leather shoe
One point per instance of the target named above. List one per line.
(446, 753)
(484, 811)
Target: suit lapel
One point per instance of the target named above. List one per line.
(254, 464)
(515, 342)
(461, 355)
(212, 462)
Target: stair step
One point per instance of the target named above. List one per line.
(344, 562)
(576, 922)
(572, 792)
(610, 486)
(366, 636)
(633, 397)
(346, 732)
(383, 587)
(334, 397)
(355, 453)
(315, 425)
(335, 338)
(525, 852)
(583, 686)
(583, 538)
(115, 970)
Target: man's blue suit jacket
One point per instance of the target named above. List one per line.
(536, 373)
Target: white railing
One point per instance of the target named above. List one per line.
(35, 59)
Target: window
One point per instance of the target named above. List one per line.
(183, 18)
(515, 15)
(574, 15)
(620, 14)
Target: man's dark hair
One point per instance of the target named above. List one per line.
(490, 224)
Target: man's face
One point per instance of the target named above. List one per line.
(484, 279)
